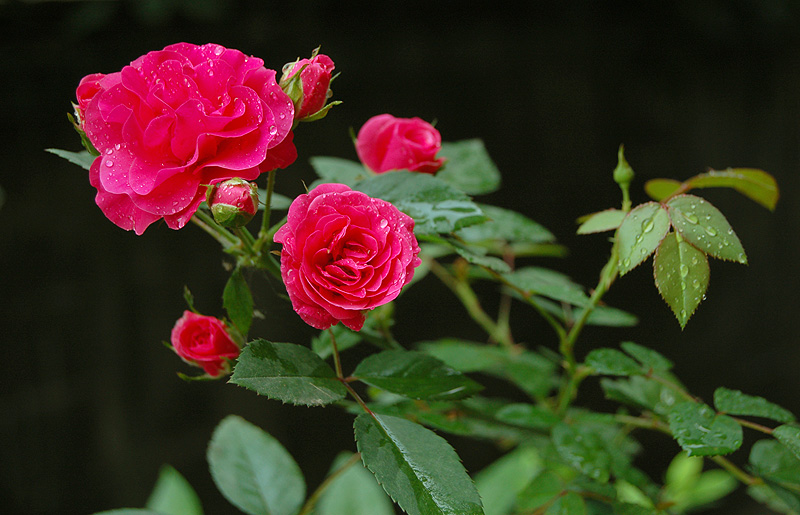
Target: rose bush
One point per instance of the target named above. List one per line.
(344, 253)
(386, 143)
(178, 119)
(203, 341)
(314, 85)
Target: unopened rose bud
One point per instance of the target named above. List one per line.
(233, 202)
(307, 82)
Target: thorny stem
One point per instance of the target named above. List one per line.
(313, 498)
(470, 301)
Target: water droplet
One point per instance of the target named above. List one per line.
(218, 50)
(643, 251)
(273, 130)
(647, 225)
(711, 231)
(626, 262)
(683, 285)
(683, 313)
(384, 222)
(109, 163)
(690, 217)
(117, 146)
(684, 270)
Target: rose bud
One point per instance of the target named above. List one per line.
(387, 143)
(204, 341)
(233, 202)
(307, 82)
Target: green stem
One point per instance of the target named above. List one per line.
(264, 238)
(313, 498)
(567, 344)
(221, 234)
(467, 296)
(736, 472)
(337, 363)
(336, 360)
(753, 425)
(550, 319)
(247, 240)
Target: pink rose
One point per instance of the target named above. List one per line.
(387, 143)
(315, 81)
(204, 341)
(344, 252)
(178, 119)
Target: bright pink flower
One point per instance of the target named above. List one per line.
(387, 143)
(344, 252)
(178, 119)
(315, 78)
(203, 341)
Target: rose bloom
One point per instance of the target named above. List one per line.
(316, 81)
(178, 119)
(387, 143)
(344, 253)
(203, 341)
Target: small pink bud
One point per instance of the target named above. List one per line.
(307, 82)
(233, 202)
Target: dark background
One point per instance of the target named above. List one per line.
(90, 403)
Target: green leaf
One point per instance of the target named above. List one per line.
(335, 169)
(705, 227)
(640, 234)
(700, 431)
(789, 436)
(287, 372)
(469, 167)
(641, 392)
(505, 226)
(435, 206)
(659, 189)
(500, 482)
(173, 495)
(416, 375)
(253, 470)
(568, 504)
(548, 283)
(531, 372)
(238, 301)
(544, 487)
(611, 317)
(353, 492)
(612, 362)
(477, 256)
(735, 402)
(681, 274)
(777, 498)
(755, 184)
(650, 359)
(771, 459)
(129, 511)
(584, 450)
(83, 158)
(527, 415)
(416, 467)
(602, 221)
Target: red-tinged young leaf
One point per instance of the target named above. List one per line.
(640, 234)
(705, 227)
(602, 221)
(681, 275)
(659, 189)
(755, 184)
